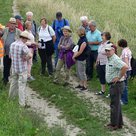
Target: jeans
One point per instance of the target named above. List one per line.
(91, 59)
(45, 59)
(124, 96)
(6, 68)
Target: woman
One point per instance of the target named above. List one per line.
(65, 55)
(31, 45)
(102, 60)
(46, 46)
(126, 56)
(80, 58)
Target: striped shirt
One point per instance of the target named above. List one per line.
(18, 52)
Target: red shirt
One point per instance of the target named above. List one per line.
(20, 26)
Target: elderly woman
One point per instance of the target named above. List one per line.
(102, 60)
(46, 46)
(65, 55)
(80, 57)
(126, 56)
(84, 21)
(32, 46)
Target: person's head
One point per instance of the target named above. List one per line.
(29, 16)
(122, 43)
(24, 36)
(81, 31)
(18, 18)
(84, 21)
(28, 25)
(92, 25)
(66, 31)
(106, 36)
(59, 16)
(43, 22)
(110, 50)
(12, 24)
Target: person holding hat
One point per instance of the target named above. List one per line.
(115, 76)
(19, 22)
(65, 55)
(10, 34)
(57, 24)
(19, 54)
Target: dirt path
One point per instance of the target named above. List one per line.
(99, 108)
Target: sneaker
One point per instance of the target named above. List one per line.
(100, 93)
(84, 89)
(31, 78)
(78, 87)
(108, 96)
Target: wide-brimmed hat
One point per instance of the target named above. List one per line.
(18, 17)
(67, 28)
(109, 46)
(12, 20)
(25, 34)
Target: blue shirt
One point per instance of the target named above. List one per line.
(57, 25)
(94, 37)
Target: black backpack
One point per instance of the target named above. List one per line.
(133, 65)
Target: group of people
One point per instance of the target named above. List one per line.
(23, 41)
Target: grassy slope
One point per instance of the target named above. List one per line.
(16, 121)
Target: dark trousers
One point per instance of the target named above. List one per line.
(115, 95)
(6, 68)
(45, 59)
(35, 58)
(91, 59)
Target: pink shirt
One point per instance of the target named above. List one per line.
(126, 53)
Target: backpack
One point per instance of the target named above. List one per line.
(133, 65)
(54, 23)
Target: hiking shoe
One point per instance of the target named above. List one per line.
(78, 87)
(84, 89)
(100, 93)
(31, 78)
(108, 96)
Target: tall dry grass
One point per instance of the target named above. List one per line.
(117, 17)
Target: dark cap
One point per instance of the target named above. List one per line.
(58, 14)
(18, 17)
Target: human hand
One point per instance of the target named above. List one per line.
(115, 80)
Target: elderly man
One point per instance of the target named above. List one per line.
(84, 21)
(11, 33)
(29, 17)
(94, 39)
(19, 54)
(115, 74)
(57, 25)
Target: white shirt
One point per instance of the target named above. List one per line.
(126, 53)
(46, 33)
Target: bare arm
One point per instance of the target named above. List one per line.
(54, 38)
(94, 43)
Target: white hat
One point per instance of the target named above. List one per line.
(12, 20)
(25, 34)
(83, 18)
(29, 13)
(67, 28)
(109, 46)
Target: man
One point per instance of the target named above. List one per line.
(115, 74)
(94, 39)
(19, 54)
(84, 21)
(11, 33)
(57, 25)
(29, 17)
(19, 22)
